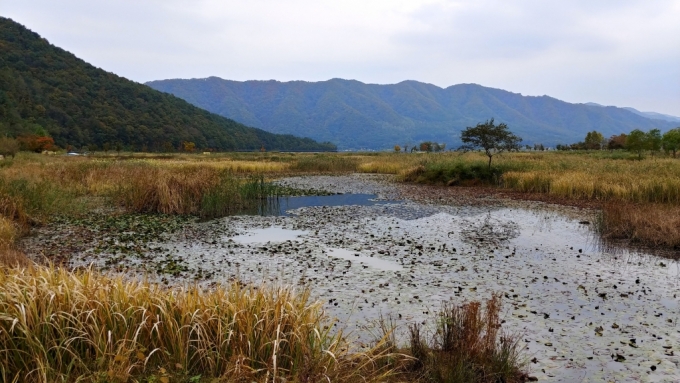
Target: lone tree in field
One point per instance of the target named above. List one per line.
(494, 139)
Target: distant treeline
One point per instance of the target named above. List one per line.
(636, 141)
(46, 91)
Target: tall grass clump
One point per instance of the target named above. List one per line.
(233, 195)
(82, 326)
(468, 346)
(202, 191)
(324, 163)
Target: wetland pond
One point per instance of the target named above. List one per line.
(582, 314)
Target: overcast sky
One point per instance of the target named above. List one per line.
(613, 52)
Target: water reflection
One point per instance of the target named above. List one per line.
(377, 263)
(280, 206)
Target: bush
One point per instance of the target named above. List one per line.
(457, 173)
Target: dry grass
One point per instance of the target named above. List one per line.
(13, 258)
(325, 163)
(256, 166)
(598, 176)
(597, 185)
(592, 176)
(9, 256)
(468, 346)
(34, 188)
(381, 167)
(8, 233)
(656, 225)
(62, 326)
(177, 190)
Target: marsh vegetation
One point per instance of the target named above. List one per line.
(67, 324)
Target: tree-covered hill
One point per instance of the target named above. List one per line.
(44, 88)
(357, 115)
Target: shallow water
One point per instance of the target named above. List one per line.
(269, 234)
(287, 204)
(573, 305)
(354, 256)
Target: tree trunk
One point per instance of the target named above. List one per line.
(490, 162)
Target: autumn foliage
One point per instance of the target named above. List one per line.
(35, 143)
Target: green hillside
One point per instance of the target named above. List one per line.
(44, 88)
(357, 115)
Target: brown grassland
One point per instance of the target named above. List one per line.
(57, 325)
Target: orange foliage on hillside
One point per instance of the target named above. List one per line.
(35, 143)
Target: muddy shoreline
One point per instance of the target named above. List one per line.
(582, 314)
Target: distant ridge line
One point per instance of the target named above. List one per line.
(355, 115)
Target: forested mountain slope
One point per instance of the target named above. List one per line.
(43, 87)
(357, 115)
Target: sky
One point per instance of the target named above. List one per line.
(612, 52)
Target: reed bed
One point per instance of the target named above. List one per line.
(468, 346)
(656, 225)
(603, 186)
(254, 166)
(57, 325)
(34, 188)
(198, 191)
(325, 163)
(581, 176)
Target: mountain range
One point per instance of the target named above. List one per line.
(355, 115)
(652, 115)
(47, 90)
